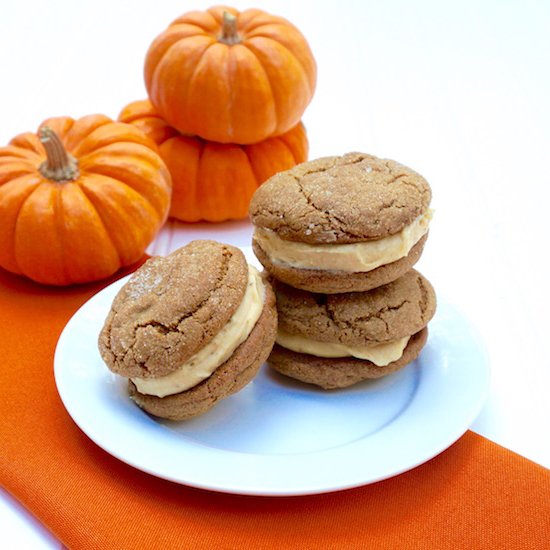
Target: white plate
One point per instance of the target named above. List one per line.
(277, 436)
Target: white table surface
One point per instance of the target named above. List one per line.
(456, 90)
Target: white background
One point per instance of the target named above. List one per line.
(459, 91)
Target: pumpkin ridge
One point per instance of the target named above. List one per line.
(206, 35)
(150, 191)
(160, 64)
(248, 151)
(230, 73)
(172, 35)
(17, 153)
(79, 231)
(128, 189)
(149, 153)
(126, 117)
(143, 115)
(194, 18)
(199, 29)
(30, 231)
(157, 51)
(96, 170)
(182, 155)
(195, 73)
(285, 144)
(82, 128)
(93, 142)
(297, 36)
(103, 224)
(288, 148)
(6, 169)
(305, 77)
(154, 201)
(143, 154)
(37, 183)
(284, 24)
(92, 198)
(285, 138)
(256, 21)
(28, 142)
(59, 220)
(154, 127)
(267, 79)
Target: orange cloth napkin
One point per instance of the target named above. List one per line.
(474, 495)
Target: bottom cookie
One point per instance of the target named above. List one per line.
(227, 379)
(339, 372)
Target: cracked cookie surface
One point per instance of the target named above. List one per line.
(226, 380)
(171, 308)
(340, 372)
(348, 199)
(384, 314)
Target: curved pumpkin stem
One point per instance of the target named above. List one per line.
(229, 34)
(59, 166)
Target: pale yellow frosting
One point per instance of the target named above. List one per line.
(218, 350)
(379, 354)
(352, 258)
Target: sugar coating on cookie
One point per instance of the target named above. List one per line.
(348, 199)
(172, 307)
(226, 380)
(340, 216)
(181, 317)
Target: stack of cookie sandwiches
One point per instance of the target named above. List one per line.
(339, 237)
(189, 329)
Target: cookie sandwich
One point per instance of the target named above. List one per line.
(341, 224)
(336, 340)
(189, 329)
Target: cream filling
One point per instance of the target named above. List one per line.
(380, 354)
(201, 365)
(355, 257)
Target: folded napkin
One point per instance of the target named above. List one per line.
(474, 495)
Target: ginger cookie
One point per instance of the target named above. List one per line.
(341, 224)
(335, 340)
(189, 329)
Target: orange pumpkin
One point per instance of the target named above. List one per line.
(80, 199)
(215, 181)
(230, 77)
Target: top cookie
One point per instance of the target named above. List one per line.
(172, 307)
(348, 199)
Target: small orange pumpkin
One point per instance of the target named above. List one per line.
(230, 77)
(80, 199)
(215, 181)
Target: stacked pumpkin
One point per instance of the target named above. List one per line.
(226, 92)
(82, 198)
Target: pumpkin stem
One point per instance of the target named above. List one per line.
(59, 166)
(229, 34)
